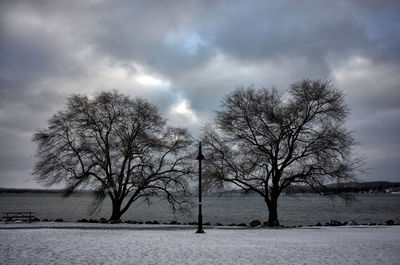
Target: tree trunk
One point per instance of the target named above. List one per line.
(273, 212)
(116, 211)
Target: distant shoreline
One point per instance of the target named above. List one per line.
(349, 187)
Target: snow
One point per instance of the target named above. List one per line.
(122, 244)
(96, 226)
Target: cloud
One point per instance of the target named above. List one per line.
(182, 114)
(373, 93)
(370, 86)
(184, 56)
(255, 31)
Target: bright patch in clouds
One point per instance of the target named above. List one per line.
(181, 113)
(138, 75)
(144, 78)
(130, 78)
(148, 80)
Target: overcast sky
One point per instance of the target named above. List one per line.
(184, 56)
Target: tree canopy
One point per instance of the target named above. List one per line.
(116, 145)
(265, 141)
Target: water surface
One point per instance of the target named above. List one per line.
(300, 209)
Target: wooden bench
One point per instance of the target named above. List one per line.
(11, 216)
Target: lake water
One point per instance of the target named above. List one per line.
(297, 210)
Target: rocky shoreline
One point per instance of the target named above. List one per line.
(253, 224)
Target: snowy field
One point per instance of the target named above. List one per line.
(83, 245)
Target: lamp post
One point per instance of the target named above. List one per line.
(200, 157)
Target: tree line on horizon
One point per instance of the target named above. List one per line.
(261, 140)
(334, 188)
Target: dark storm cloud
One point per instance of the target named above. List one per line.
(274, 28)
(156, 33)
(185, 55)
(381, 22)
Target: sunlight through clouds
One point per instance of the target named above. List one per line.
(182, 114)
(148, 80)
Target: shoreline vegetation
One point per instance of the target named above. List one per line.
(336, 188)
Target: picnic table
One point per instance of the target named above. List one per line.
(11, 216)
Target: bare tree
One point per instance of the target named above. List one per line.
(264, 141)
(117, 146)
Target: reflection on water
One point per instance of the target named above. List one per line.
(301, 209)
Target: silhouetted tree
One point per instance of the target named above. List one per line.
(114, 145)
(264, 141)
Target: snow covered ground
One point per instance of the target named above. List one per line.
(109, 244)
